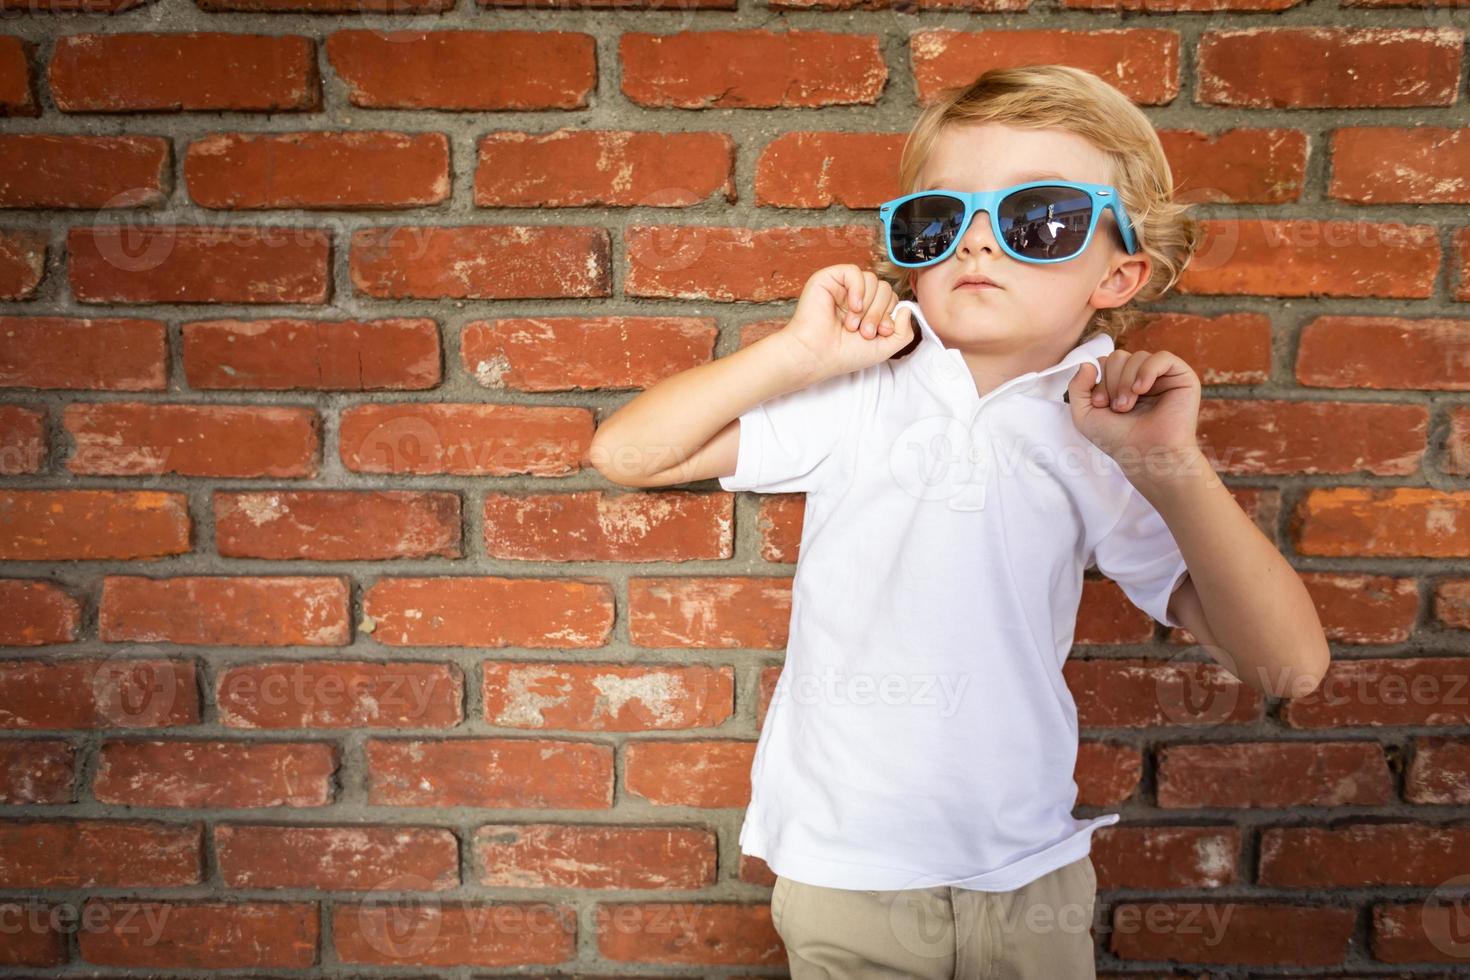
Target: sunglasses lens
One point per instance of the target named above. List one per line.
(1048, 222)
(923, 227)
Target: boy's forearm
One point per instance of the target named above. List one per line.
(668, 422)
(1235, 567)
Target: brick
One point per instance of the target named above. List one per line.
(1461, 240)
(1137, 693)
(1157, 858)
(481, 262)
(446, 69)
(398, 7)
(711, 612)
(449, 934)
(202, 935)
(1418, 932)
(114, 354)
(52, 170)
(98, 692)
(1106, 615)
(1232, 348)
(490, 772)
(17, 81)
(41, 939)
(199, 264)
(1311, 257)
(1237, 166)
(1182, 6)
(1439, 771)
(603, 168)
(1385, 353)
(1362, 855)
(1364, 609)
(337, 525)
(22, 262)
(779, 520)
(356, 169)
(88, 525)
(607, 697)
(133, 438)
(1249, 437)
(1107, 775)
(198, 71)
(1454, 457)
(1418, 522)
(820, 169)
(340, 694)
(1332, 67)
(101, 854)
(1400, 165)
(567, 353)
(225, 610)
(591, 525)
(1264, 934)
(696, 934)
(199, 774)
(341, 858)
(729, 265)
(548, 855)
(1273, 774)
(751, 69)
(1142, 63)
(487, 611)
(1388, 692)
(1452, 603)
(285, 353)
(36, 771)
(709, 774)
(465, 439)
(22, 440)
(37, 613)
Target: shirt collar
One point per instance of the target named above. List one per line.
(946, 364)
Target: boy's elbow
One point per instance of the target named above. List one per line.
(603, 454)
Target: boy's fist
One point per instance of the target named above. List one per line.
(844, 321)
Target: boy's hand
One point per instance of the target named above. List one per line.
(1143, 410)
(843, 322)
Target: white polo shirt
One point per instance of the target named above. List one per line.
(920, 732)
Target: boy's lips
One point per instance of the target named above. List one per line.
(975, 282)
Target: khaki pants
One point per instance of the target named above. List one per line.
(1039, 931)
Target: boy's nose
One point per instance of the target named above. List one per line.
(978, 235)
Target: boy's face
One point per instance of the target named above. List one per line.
(1036, 305)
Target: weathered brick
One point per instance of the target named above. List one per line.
(592, 525)
(481, 262)
(709, 611)
(1133, 693)
(1237, 166)
(340, 694)
(202, 935)
(215, 774)
(36, 771)
(1363, 855)
(483, 611)
(607, 697)
(339, 858)
(337, 525)
(549, 855)
(132, 438)
(116, 354)
(100, 854)
(22, 262)
(1273, 774)
(751, 69)
(355, 169)
(22, 440)
(729, 265)
(490, 772)
(1400, 165)
(603, 168)
(225, 610)
(1248, 437)
(712, 774)
(1166, 857)
(1389, 692)
(691, 934)
(322, 355)
(1331, 67)
(1419, 522)
(1384, 352)
(17, 81)
(819, 169)
(54, 170)
(37, 613)
(196, 71)
(465, 439)
(87, 525)
(93, 692)
(199, 264)
(568, 353)
(1258, 934)
(450, 934)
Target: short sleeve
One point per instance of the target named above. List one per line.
(791, 443)
(1141, 555)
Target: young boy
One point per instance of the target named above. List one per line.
(969, 441)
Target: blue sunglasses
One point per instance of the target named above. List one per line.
(1040, 221)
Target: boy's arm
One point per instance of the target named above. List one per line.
(1279, 647)
(686, 427)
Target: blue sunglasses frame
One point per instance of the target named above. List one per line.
(1103, 196)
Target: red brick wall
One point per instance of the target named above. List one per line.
(313, 597)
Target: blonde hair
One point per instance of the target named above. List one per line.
(1072, 99)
